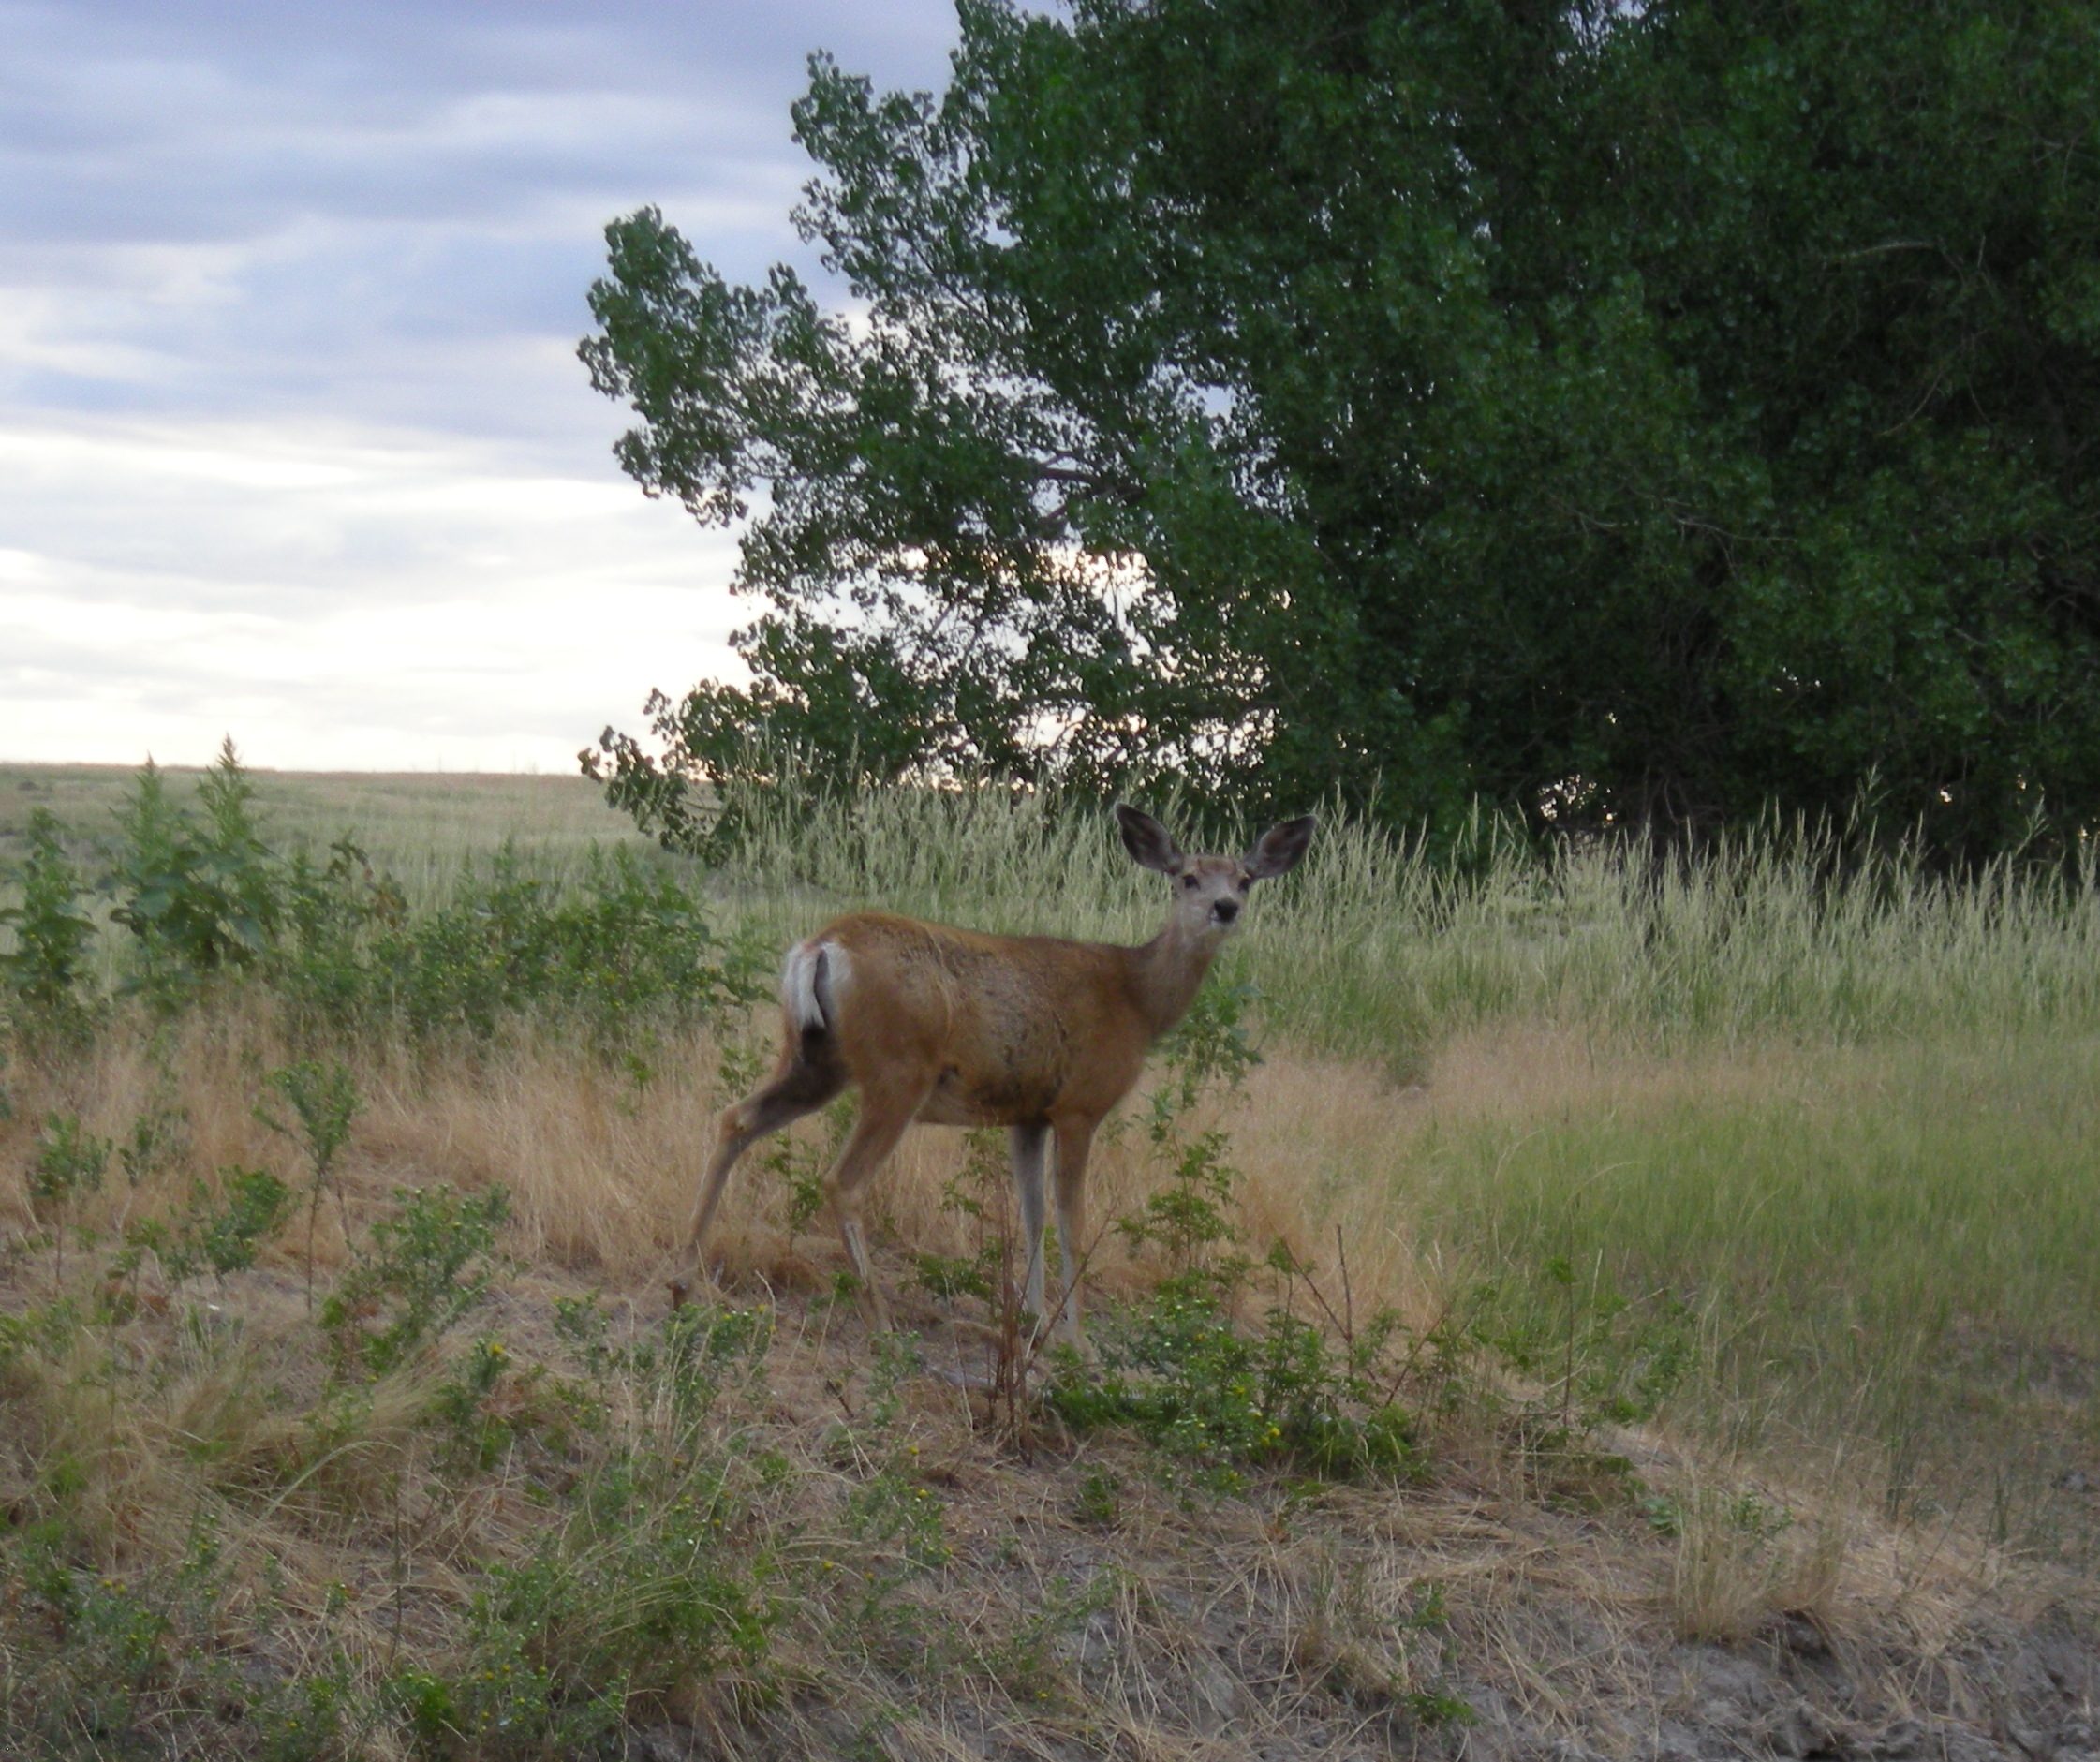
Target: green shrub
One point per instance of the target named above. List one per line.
(219, 1233)
(619, 952)
(1197, 1383)
(69, 1163)
(199, 899)
(424, 1267)
(323, 1099)
(46, 973)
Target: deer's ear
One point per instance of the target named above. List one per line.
(1148, 840)
(1280, 848)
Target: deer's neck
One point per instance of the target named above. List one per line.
(1165, 973)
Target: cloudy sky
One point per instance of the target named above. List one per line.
(294, 440)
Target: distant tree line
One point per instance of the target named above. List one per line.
(1650, 414)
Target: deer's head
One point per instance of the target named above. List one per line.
(1210, 891)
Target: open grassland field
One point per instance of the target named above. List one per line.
(420, 826)
(1648, 1309)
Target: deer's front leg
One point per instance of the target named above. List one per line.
(1029, 1146)
(1074, 1139)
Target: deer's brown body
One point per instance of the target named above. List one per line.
(957, 1028)
(1003, 1030)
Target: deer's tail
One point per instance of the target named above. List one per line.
(808, 989)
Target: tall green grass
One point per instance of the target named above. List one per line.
(1371, 947)
(1892, 1247)
(1835, 1141)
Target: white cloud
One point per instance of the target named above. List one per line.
(293, 438)
(515, 616)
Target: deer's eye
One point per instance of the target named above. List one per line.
(1188, 881)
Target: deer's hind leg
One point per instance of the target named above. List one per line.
(888, 1106)
(799, 1085)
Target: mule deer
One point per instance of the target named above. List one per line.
(955, 1027)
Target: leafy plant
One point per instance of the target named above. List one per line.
(45, 972)
(1606, 1358)
(324, 1101)
(423, 1269)
(69, 1165)
(199, 899)
(1195, 1383)
(220, 1232)
(336, 913)
(1188, 1218)
(158, 1138)
(977, 1193)
(625, 950)
(1181, 1366)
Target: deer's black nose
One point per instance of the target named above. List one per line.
(1226, 911)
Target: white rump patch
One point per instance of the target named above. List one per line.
(809, 981)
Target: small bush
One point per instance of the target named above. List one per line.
(69, 1165)
(620, 954)
(220, 1232)
(424, 1268)
(1195, 1383)
(46, 973)
(199, 899)
(622, 951)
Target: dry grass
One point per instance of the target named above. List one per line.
(1710, 1175)
(1298, 1619)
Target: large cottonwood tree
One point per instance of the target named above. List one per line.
(1657, 412)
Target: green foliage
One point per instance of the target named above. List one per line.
(977, 1194)
(797, 1169)
(69, 1165)
(1100, 1503)
(46, 973)
(220, 1231)
(699, 1351)
(337, 915)
(424, 1267)
(323, 1099)
(1187, 1218)
(646, 1589)
(627, 947)
(102, 1647)
(1197, 1383)
(618, 953)
(645, 1585)
(1611, 1361)
(201, 899)
(1182, 1366)
(1595, 1359)
(1620, 414)
(159, 1136)
(70, 1161)
(106, 1647)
